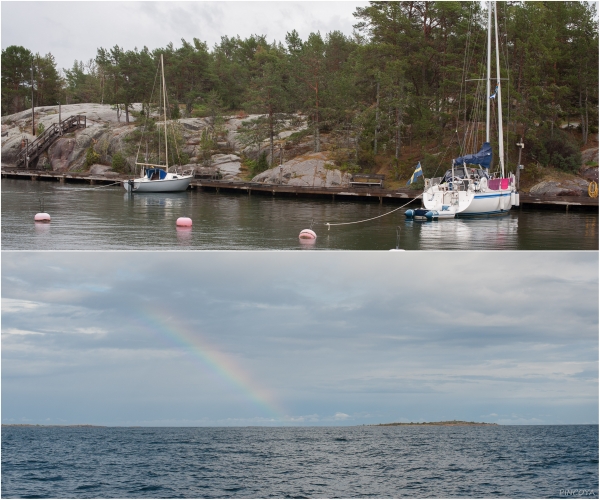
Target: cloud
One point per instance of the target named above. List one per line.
(156, 24)
(17, 331)
(319, 332)
(18, 306)
(341, 416)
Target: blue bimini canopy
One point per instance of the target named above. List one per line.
(155, 173)
(483, 157)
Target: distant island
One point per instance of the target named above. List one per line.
(445, 422)
(51, 425)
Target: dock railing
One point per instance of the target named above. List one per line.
(31, 152)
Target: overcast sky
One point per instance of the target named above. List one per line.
(75, 30)
(283, 338)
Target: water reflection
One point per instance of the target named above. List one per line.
(307, 244)
(492, 232)
(184, 236)
(110, 219)
(591, 228)
(42, 228)
(457, 231)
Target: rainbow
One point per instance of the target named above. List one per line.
(198, 347)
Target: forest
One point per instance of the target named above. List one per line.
(406, 78)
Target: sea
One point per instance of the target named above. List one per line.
(542, 461)
(106, 218)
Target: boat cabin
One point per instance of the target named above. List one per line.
(155, 174)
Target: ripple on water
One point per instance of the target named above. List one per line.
(513, 461)
(109, 219)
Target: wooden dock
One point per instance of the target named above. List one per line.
(358, 193)
(45, 175)
(370, 193)
(558, 202)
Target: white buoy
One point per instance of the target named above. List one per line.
(307, 234)
(184, 222)
(42, 217)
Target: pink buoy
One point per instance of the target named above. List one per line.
(307, 234)
(41, 217)
(184, 222)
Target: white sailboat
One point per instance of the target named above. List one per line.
(467, 188)
(157, 178)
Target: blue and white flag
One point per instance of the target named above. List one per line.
(493, 96)
(417, 173)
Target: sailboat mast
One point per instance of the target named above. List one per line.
(498, 96)
(162, 65)
(489, 59)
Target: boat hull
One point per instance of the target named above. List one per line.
(144, 185)
(445, 204)
(488, 203)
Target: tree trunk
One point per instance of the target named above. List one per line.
(397, 155)
(376, 121)
(585, 137)
(127, 114)
(317, 138)
(271, 133)
(520, 71)
(581, 117)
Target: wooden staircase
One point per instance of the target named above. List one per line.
(30, 154)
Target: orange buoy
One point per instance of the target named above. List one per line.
(307, 234)
(184, 222)
(42, 217)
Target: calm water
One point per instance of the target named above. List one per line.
(84, 218)
(351, 462)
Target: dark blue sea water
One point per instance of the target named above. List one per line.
(348, 462)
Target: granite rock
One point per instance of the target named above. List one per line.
(575, 187)
(313, 169)
(99, 169)
(228, 165)
(12, 145)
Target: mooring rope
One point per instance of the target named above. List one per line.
(98, 187)
(372, 218)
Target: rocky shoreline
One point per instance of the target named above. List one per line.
(107, 133)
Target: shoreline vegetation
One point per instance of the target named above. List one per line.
(444, 423)
(393, 95)
(393, 424)
(54, 425)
